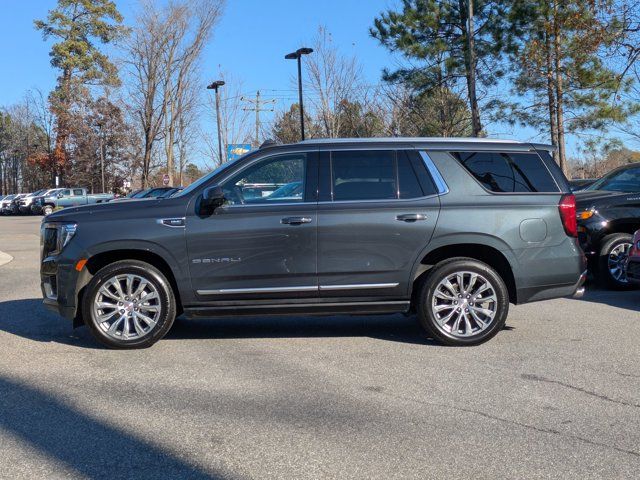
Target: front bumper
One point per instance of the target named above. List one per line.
(58, 283)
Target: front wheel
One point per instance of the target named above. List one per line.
(129, 304)
(463, 302)
(612, 265)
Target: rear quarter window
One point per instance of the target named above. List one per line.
(508, 172)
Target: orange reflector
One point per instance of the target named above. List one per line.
(586, 214)
(80, 264)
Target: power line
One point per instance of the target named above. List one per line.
(257, 107)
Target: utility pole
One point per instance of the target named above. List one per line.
(257, 104)
(216, 86)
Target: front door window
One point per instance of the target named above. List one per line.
(271, 181)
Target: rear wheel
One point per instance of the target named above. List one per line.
(612, 264)
(129, 304)
(463, 302)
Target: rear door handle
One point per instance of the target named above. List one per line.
(295, 220)
(411, 217)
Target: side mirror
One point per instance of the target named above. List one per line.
(212, 198)
(60, 195)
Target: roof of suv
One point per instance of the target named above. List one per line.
(436, 142)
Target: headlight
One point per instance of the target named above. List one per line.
(586, 214)
(66, 231)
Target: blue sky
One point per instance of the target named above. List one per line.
(249, 42)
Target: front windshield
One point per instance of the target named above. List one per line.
(626, 180)
(206, 178)
(139, 194)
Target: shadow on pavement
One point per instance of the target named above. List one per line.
(29, 319)
(86, 445)
(627, 299)
(394, 328)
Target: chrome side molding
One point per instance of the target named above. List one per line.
(229, 291)
(358, 286)
(303, 288)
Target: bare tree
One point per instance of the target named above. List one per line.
(190, 27)
(144, 56)
(333, 78)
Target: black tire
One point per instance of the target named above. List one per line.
(47, 210)
(166, 304)
(607, 275)
(425, 300)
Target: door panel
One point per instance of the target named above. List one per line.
(367, 246)
(249, 248)
(363, 250)
(263, 242)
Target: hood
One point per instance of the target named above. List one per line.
(591, 198)
(109, 209)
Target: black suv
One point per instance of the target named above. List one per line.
(452, 229)
(608, 215)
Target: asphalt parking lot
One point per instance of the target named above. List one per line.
(554, 395)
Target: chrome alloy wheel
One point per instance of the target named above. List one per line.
(617, 262)
(464, 304)
(127, 307)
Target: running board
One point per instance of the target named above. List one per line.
(346, 308)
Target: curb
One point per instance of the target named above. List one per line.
(5, 258)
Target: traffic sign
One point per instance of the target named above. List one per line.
(236, 150)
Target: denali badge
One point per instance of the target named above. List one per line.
(217, 260)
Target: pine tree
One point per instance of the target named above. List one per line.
(453, 40)
(559, 50)
(78, 25)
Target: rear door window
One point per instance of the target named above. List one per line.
(78, 192)
(504, 172)
(364, 175)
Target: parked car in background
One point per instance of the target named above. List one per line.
(633, 262)
(75, 197)
(608, 215)
(13, 206)
(171, 192)
(24, 205)
(453, 229)
(581, 183)
(155, 192)
(4, 204)
(45, 202)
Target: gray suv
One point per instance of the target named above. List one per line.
(451, 229)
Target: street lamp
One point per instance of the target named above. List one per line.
(297, 55)
(215, 86)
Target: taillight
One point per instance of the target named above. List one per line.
(567, 209)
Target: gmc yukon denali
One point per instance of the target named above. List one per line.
(453, 230)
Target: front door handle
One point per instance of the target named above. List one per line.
(411, 217)
(295, 220)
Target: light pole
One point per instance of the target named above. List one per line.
(297, 55)
(215, 86)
